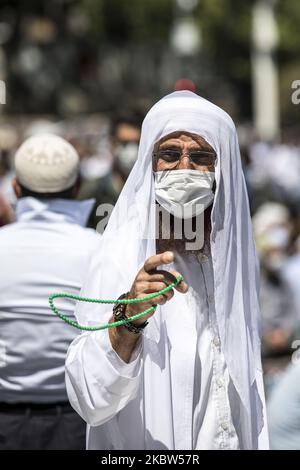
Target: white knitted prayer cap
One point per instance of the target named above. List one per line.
(46, 163)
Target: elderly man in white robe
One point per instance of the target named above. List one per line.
(188, 374)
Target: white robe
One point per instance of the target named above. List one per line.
(176, 394)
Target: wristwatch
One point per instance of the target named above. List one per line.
(119, 314)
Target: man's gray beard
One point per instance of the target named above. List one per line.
(182, 245)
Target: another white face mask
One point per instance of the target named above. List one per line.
(278, 237)
(127, 155)
(184, 193)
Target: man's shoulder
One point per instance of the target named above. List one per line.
(84, 238)
(22, 231)
(86, 232)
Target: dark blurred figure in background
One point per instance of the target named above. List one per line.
(273, 173)
(46, 250)
(8, 144)
(90, 137)
(272, 230)
(291, 275)
(104, 183)
(125, 134)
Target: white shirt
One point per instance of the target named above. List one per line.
(47, 250)
(212, 421)
(174, 394)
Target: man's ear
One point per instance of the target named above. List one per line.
(17, 188)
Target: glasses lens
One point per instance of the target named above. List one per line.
(203, 158)
(169, 156)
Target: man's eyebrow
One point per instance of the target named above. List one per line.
(173, 145)
(206, 146)
(201, 146)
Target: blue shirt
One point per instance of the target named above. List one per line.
(46, 250)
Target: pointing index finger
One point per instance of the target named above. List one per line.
(156, 260)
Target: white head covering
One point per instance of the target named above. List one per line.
(46, 164)
(121, 253)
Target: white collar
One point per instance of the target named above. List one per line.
(54, 210)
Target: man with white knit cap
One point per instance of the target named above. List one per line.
(188, 374)
(46, 250)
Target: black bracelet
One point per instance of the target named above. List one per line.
(131, 327)
(119, 314)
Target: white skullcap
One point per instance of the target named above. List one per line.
(46, 163)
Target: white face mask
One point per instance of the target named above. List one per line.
(184, 193)
(278, 237)
(127, 155)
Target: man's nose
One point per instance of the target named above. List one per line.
(185, 163)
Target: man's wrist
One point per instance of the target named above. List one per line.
(120, 313)
(123, 341)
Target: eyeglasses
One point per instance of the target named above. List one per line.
(198, 157)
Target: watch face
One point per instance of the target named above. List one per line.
(118, 310)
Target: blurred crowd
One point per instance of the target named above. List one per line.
(108, 147)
